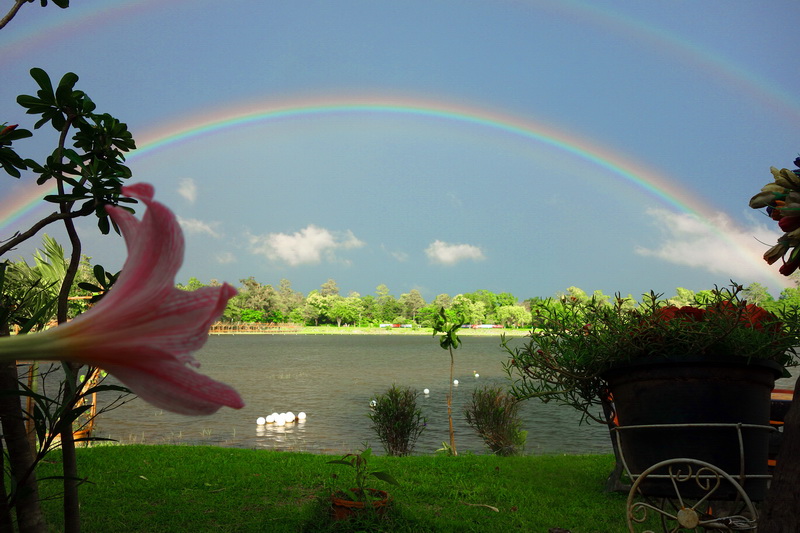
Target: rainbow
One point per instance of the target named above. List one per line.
(58, 24)
(233, 117)
(180, 132)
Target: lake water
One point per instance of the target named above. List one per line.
(332, 379)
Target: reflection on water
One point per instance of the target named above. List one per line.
(332, 379)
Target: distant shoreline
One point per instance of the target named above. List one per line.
(355, 330)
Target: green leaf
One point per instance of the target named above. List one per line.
(340, 462)
(43, 80)
(385, 476)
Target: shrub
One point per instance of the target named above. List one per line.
(494, 414)
(397, 420)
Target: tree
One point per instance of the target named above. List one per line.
(329, 288)
(288, 299)
(513, 315)
(411, 303)
(321, 305)
(506, 298)
(682, 297)
(757, 294)
(449, 341)
(87, 175)
(256, 297)
(388, 308)
(469, 311)
(442, 300)
(346, 309)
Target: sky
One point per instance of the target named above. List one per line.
(446, 146)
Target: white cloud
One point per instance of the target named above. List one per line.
(717, 245)
(450, 254)
(188, 189)
(198, 227)
(309, 245)
(400, 256)
(225, 258)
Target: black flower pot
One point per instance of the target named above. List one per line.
(726, 391)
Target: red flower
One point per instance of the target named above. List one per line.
(788, 224)
(686, 313)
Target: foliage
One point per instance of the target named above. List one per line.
(574, 343)
(397, 420)
(190, 488)
(781, 198)
(449, 341)
(494, 414)
(358, 461)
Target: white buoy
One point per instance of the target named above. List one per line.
(270, 419)
(301, 416)
(261, 420)
(289, 416)
(373, 403)
(280, 421)
(426, 391)
(477, 375)
(455, 382)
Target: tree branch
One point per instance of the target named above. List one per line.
(11, 13)
(21, 237)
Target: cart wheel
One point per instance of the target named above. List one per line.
(679, 512)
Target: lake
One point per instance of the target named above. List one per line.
(332, 379)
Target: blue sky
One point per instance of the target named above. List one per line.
(697, 97)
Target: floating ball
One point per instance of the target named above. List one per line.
(261, 420)
(270, 419)
(455, 382)
(301, 416)
(289, 416)
(426, 391)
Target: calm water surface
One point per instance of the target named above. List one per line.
(332, 379)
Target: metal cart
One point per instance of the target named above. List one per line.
(690, 494)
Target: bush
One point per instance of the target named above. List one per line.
(494, 414)
(397, 420)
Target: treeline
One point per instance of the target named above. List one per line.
(29, 293)
(258, 302)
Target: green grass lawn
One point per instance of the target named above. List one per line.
(198, 488)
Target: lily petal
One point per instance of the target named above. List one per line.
(144, 330)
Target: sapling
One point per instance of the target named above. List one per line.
(448, 341)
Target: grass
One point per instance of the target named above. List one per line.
(197, 488)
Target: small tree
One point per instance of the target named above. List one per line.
(397, 420)
(449, 341)
(494, 414)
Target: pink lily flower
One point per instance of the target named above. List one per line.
(144, 330)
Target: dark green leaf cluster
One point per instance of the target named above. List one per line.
(449, 330)
(358, 461)
(105, 280)
(573, 342)
(93, 166)
(10, 161)
(397, 420)
(494, 415)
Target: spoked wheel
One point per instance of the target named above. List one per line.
(690, 504)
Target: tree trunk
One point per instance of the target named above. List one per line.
(450, 407)
(21, 456)
(780, 512)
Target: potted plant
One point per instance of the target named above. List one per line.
(346, 502)
(714, 362)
